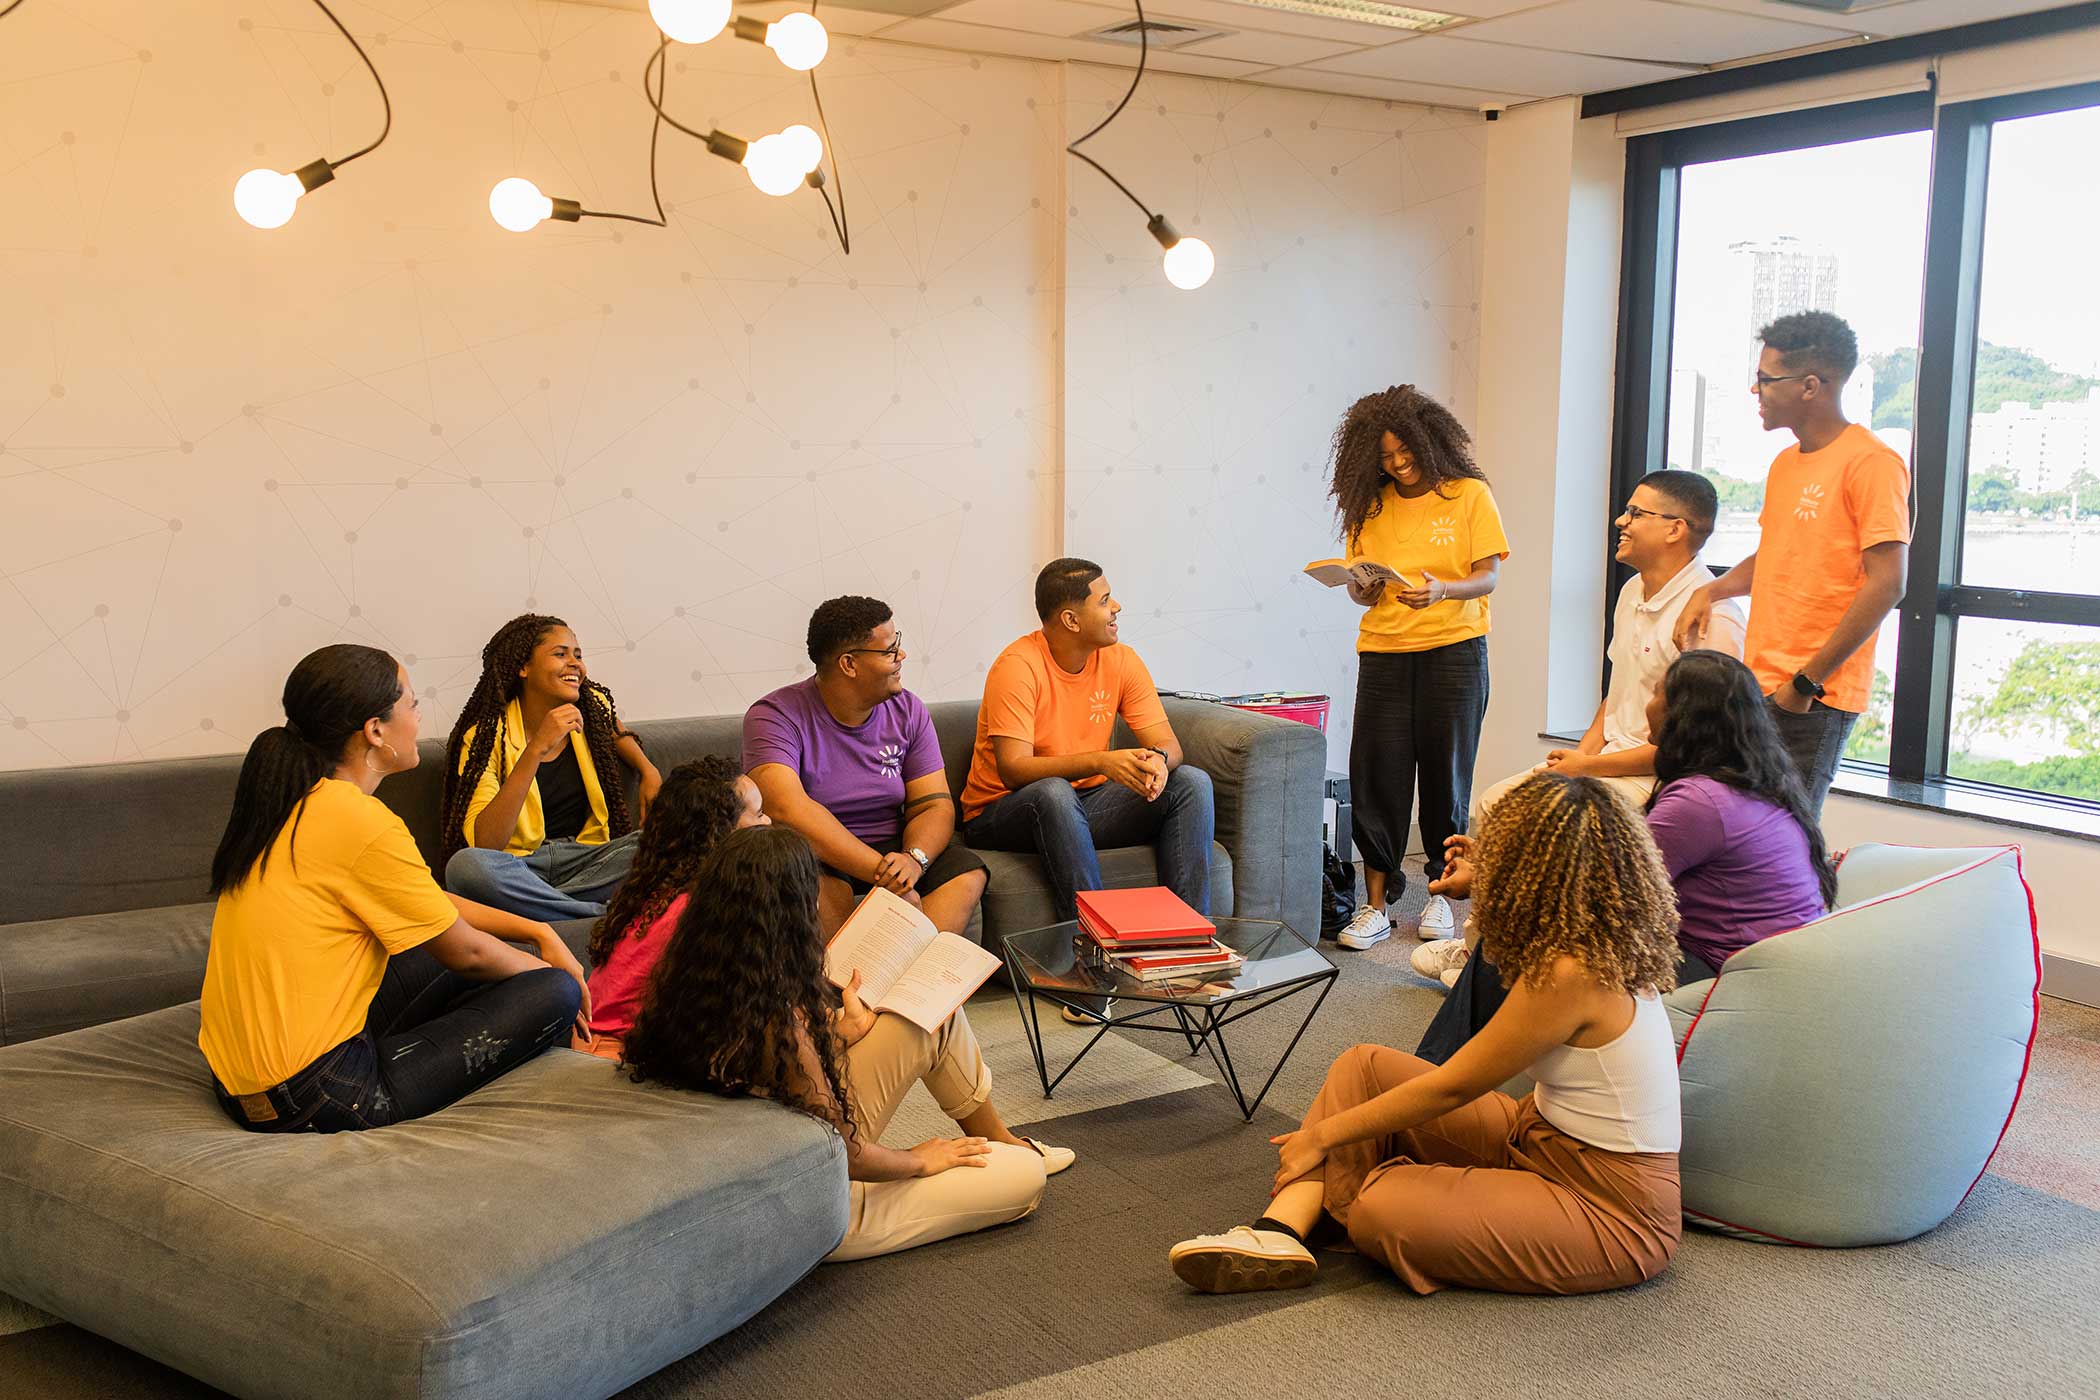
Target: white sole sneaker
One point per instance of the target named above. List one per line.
(1055, 1159)
(1368, 928)
(1242, 1260)
(1440, 959)
(1437, 920)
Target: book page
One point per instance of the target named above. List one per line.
(939, 980)
(881, 937)
(1362, 572)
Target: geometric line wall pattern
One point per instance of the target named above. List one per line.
(392, 421)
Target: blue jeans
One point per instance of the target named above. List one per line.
(1066, 826)
(431, 1037)
(560, 880)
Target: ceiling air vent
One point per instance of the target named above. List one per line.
(1157, 33)
(1363, 12)
(1838, 7)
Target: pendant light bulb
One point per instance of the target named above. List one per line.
(774, 164)
(807, 147)
(1189, 263)
(690, 21)
(267, 198)
(518, 205)
(799, 39)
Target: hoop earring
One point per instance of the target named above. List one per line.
(372, 767)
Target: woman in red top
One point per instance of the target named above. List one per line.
(699, 804)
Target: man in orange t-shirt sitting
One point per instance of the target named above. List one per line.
(1043, 777)
(1833, 553)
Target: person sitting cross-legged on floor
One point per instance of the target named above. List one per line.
(700, 803)
(1731, 818)
(1448, 1182)
(536, 817)
(1043, 778)
(739, 1004)
(848, 757)
(343, 989)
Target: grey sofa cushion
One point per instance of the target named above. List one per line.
(562, 1232)
(61, 974)
(114, 836)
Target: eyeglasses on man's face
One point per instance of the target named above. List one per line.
(894, 651)
(1765, 381)
(1634, 512)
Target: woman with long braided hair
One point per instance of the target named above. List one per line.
(1452, 1184)
(1411, 499)
(536, 817)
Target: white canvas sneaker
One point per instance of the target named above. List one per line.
(1243, 1260)
(1369, 926)
(1437, 921)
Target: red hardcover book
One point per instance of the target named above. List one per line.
(1151, 917)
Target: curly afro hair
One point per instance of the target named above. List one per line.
(696, 808)
(1440, 445)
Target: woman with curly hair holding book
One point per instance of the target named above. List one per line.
(739, 1004)
(536, 817)
(1445, 1180)
(1411, 500)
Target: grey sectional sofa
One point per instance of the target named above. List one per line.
(562, 1233)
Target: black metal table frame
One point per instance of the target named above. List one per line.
(1201, 1025)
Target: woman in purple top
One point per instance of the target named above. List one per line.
(1729, 814)
(1730, 817)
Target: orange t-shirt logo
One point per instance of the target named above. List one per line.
(1811, 503)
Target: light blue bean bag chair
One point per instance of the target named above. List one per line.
(1847, 1083)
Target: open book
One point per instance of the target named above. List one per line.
(1363, 572)
(906, 964)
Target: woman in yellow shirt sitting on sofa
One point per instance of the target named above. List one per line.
(344, 989)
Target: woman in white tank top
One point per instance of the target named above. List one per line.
(1447, 1181)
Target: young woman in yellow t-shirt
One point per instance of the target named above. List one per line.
(1410, 498)
(344, 989)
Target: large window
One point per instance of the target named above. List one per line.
(1956, 242)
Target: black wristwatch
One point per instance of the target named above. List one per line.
(1154, 748)
(1804, 686)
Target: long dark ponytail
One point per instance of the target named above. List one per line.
(1716, 725)
(327, 698)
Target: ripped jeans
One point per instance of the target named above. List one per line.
(431, 1037)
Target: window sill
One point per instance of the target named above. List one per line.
(1974, 801)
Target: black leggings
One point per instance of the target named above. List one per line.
(431, 1037)
(1418, 718)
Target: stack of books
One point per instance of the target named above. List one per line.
(1152, 936)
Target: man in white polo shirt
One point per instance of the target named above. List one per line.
(1661, 531)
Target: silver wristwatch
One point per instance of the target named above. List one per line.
(918, 855)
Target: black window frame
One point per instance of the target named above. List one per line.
(1947, 346)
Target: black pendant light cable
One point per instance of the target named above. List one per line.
(838, 214)
(267, 199)
(1189, 267)
(733, 149)
(11, 7)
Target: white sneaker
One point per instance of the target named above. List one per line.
(1075, 1017)
(1443, 957)
(1369, 926)
(1437, 921)
(1449, 977)
(1055, 1159)
(1242, 1260)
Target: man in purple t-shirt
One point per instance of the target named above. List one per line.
(849, 759)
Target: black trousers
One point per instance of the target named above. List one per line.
(1478, 994)
(1815, 741)
(1418, 718)
(431, 1037)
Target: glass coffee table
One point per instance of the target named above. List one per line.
(1059, 965)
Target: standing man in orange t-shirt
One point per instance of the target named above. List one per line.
(1043, 777)
(1833, 554)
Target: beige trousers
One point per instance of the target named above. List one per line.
(888, 1216)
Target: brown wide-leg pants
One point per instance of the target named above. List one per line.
(1491, 1195)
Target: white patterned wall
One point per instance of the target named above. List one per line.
(1197, 424)
(391, 421)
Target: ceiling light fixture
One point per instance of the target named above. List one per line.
(518, 205)
(1189, 262)
(269, 198)
(1363, 12)
(798, 39)
(690, 21)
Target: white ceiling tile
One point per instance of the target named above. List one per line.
(1223, 14)
(1646, 29)
(1437, 58)
(1256, 47)
(1172, 61)
(1391, 89)
(1062, 18)
(1902, 17)
(839, 19)
(978, 38)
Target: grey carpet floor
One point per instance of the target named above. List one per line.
(2002, 1300)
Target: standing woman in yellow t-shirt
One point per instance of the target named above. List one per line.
(1410, 498)
(344, 989)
